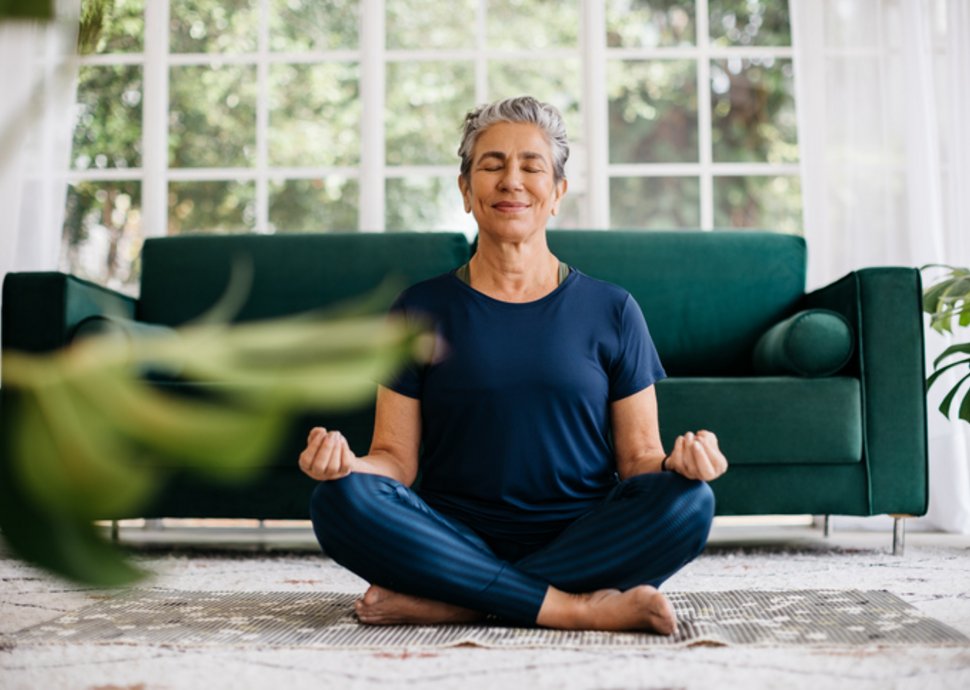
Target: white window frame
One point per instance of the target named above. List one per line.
(706, 169)
(373, 56)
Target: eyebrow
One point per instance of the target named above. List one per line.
(526, 155)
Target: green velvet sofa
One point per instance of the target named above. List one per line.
(849, 440)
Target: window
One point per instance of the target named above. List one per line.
(270, 116)
(701, 115)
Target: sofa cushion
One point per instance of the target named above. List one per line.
(707, 296)
(813, 342)
(183, 277)
(768, 420)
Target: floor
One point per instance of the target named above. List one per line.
(933, 575)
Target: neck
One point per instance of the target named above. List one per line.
(514, 271)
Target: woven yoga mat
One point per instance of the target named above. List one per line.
(326, 620)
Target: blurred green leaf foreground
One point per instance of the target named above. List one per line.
(93, 431)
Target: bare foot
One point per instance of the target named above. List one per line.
(639, 608)
(381, 606)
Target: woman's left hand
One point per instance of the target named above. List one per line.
(697, 456)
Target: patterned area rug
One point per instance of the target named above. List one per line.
(190, 619)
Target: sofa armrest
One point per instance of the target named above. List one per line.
(884, 307)
(41, 310)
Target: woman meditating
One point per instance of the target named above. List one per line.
(546, 497)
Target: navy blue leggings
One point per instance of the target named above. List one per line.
(644, 531)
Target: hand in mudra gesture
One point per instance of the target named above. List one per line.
(697, 456)
(327, 455)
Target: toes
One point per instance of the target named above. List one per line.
(365, 612)
(375, 595)
(665, 625)
(661, 613)
(372, 608)
(369, 617)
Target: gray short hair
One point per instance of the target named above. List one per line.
(519, 109)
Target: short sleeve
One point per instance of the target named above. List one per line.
(407, 381)
(635, 364)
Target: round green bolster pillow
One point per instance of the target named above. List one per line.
(814, 342)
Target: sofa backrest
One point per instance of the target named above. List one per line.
(183, 277)
(707, 296)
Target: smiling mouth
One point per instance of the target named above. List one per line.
(509, 207)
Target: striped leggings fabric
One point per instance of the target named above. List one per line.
(644, 531)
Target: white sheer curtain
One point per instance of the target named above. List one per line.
(39, 62)
(883, 97)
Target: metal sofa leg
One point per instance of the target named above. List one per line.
(899, 534)
(154, 524)
(827, 526)
(115, 532)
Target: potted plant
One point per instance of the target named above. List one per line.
(948, 301)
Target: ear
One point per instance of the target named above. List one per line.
(558, 193)
(466, 192)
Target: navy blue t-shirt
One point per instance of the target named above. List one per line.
(515, 402)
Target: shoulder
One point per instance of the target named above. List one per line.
(428, 295)
(604, 294)
(608, 306)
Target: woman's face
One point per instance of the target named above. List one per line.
(511, 191)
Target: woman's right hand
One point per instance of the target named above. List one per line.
(327, 455)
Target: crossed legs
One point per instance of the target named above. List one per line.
(599, 573)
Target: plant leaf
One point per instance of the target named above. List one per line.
(324, 366)
(945, 405)
(67, 458)
(965, 407)
(952, 350)
(943, 299)
(931, 296)
(94, 440)
(940, 371)
(965, 315)
(958, 288)
(67, 547)
(215, 437)
(327, 385)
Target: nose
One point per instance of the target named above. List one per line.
(511, 179)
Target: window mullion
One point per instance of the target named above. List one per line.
(704, 120)
(154, 187)
(262, 121)
(373, 76)
(481, 61)
(596, 114)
